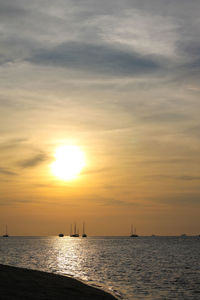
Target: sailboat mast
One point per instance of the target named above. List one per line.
(131, 229)
(70, 229)
(83, 227)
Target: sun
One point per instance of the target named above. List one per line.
(69, 161)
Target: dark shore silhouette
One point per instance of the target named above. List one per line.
(21, 284)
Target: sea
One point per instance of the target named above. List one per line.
(151, 267)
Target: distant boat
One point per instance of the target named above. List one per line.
(75, 233)
(183, 235)
(61, 235)
(84, 234)
(133, 234)
(6, 234)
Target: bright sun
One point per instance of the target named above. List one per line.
(69, 161)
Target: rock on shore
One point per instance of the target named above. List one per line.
(21, 284)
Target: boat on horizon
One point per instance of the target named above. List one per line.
(84, 234)
(61, 235)
(6, 234)
(133, 234)
(75, 233)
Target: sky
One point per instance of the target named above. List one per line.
(118, 79)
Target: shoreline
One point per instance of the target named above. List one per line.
(20, 284)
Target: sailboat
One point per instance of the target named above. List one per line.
(6, 234)
(84, 234)
(76, 233)
(133, 234)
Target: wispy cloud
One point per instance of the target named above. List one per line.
(95, 171)
(33, 161)
(10, 9)
(12, 143)
(109, 201)
(194, 131)
(175, 177)
(165, 161)
(183, 199)
(188, 177)
(12, 201)
(163, 117)
(124, 40)
(93, 57)
(5, 171)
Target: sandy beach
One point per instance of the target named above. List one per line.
(19, 283)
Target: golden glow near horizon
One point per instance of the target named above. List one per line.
(69, 161)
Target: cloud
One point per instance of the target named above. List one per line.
(194, 131)
(54, 44)
(165, 117)
(95, 171)
(190, 48)
(5, 171)
(8, 202)
(183, 199)
(100, 37)
(182, 177)
(12, 143)
(165, 161)
(100, 58)
(114, 202)
(188, 177)
(192, 68)
(33, 161)
(11, 9)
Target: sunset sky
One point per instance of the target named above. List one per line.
(120, 81)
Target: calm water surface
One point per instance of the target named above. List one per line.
(141, 268)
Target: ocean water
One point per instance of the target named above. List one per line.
(130, 268)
